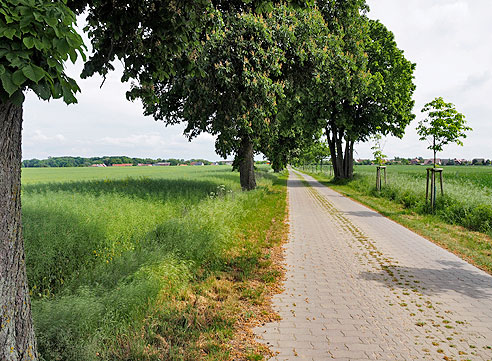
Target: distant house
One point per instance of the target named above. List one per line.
(431, 161)
(123, 165)
(415, 161)
(162, 164)
(215, 163)
(183, 165)
(144, 165)
(228, 162)
(99, 165)
(196, 163)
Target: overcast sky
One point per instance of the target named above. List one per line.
(450, 40)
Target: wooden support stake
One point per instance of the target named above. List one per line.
(442, 187)
(427, 186)
(433, 190)
(379, 180)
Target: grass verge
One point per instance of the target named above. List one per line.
(474, 247)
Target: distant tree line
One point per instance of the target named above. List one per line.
(55, 162)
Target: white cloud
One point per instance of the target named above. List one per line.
(39, 137)
(449, 40)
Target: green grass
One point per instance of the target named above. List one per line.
(124, 264)
(462, 221)
(467, 197)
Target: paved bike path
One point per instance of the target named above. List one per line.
(362, 287)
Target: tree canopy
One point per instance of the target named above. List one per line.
(36, 38)
(244, 70)
(369, 93)
(187, 62)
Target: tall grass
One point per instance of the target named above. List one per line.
(103, 255)
(467, 197)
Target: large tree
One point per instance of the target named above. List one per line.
(243, 71)
(369, 89)
(164, 47)
(36, 38)
(384, 105)
(235, 94)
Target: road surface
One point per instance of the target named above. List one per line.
(362, 287)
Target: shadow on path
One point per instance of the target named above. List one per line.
(430, 281)
(299, 183)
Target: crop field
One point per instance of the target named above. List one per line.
(147, 263)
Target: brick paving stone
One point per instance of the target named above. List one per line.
(361, 287)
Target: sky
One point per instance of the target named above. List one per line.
(449, 40)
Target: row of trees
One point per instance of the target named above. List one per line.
(442, 126)
(262, 76)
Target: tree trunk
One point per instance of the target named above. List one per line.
(348, 161)
(342, 161)
(17, 341)
(246, 165)
(435, 153)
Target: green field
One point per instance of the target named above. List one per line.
(127, 263)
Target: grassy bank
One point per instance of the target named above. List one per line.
(462, 221)
(149, 264)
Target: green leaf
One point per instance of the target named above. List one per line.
(42, 90)
(7, 83)
(28, 42)
(62, 45)
(2, 69)
(9, 33)
(73, 55)
(18, 78)
(56, 90)
(68, 96)
(26, 21)
(39, 44)
(51, 22)
(17, 98)
(33, 72)
(52, 63)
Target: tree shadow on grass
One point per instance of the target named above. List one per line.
(455, 277)
(143, 188)
(59, 245)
